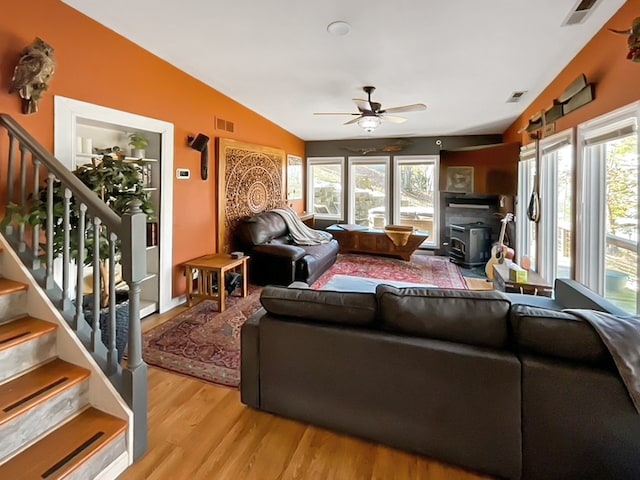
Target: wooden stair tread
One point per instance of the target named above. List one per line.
(23, 330)
(66, 442)
(9, 286)
(33, 388)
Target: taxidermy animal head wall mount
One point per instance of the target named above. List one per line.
(633, 39)
(33, 73)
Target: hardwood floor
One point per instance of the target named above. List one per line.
(202, 431)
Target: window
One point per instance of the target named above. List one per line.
(416, 198)
(526, 230)
(556, 216)
(324, 187)
(368, 191)
(608, 206)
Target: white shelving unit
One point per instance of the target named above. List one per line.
(108, 128)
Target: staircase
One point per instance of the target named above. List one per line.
(49, 426)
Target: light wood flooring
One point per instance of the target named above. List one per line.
(202, 431)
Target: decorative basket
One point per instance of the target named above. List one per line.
(399, 234)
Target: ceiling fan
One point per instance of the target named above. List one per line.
(370, 114)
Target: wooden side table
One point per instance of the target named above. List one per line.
(210, 281)
(535, 285)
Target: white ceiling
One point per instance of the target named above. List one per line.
(463, 58)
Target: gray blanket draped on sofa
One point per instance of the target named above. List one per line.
(301, 233)
(621, 336)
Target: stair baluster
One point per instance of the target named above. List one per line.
(112, 353)
(78, 319)
(66, 257)
(13, 147)
(48, 282)
(95, 327)
(35, 247)
(23, 195)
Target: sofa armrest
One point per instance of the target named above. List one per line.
(250, 361)
(278, 250)
(572, 294)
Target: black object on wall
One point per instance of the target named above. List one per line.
(201, 144)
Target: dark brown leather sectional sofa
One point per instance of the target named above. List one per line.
(274, 259)
(467, 378)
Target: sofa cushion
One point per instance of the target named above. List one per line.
(347, 308)
(557, 334)
(474, 318)
(261, 228)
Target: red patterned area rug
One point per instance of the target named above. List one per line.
(429, 269)
(205, 344)
(202, 342)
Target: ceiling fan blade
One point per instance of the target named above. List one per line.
(394, 119)
(363, 105)
(355, 120)
(416, 107)
(335, 113)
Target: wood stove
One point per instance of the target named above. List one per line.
(470, 244)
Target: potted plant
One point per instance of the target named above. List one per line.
(138, 143)
(117, 182)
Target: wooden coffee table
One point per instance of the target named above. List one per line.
(375, 242)
(535, 285)
(210, 280)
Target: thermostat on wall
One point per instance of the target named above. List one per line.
(183, 173)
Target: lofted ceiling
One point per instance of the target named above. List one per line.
(461, 58)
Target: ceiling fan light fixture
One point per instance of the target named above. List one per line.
(369, 123)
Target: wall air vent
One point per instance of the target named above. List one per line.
(515, 97)
(580, 13)
(222, 124)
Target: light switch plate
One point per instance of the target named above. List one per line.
(183, 173)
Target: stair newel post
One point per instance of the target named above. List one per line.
(66, 258)
(22, 246)
(49, 273)
(35, 263)
(79, 316)
(95, 327)
(13, 146)
(112, 353)
(134, 270)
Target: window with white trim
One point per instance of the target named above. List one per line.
(526, 230)
(369, 191)
(608, 199)
(325, 177)
(416, 194)
(556, 229)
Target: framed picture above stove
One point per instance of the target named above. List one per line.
(460, 179)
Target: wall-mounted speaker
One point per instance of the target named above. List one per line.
(201, 144)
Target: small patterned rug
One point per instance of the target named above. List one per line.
(438, 271)
(202, 342)
(205, 344)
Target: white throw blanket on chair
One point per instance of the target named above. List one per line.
(301, 233)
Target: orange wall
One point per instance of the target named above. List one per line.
(96, 65)
(603, 62)
(495, 169)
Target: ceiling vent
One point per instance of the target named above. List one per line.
(516, 96)
(580, 13)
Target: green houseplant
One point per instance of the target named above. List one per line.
(117, 182)
(138, 143)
